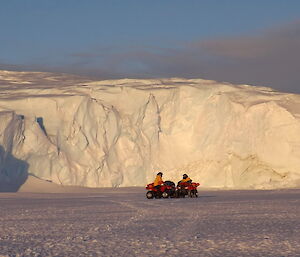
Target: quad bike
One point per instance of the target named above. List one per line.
(186, 188)
(165, 191)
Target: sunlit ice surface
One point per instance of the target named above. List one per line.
(122, 222)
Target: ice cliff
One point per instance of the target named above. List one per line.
(76, 131)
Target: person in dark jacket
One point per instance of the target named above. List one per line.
(185, 179)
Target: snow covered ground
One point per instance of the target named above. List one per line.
(82, 132)
(122, 222)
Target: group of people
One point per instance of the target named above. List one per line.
(159, 181)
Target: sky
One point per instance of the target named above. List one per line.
(253, 42)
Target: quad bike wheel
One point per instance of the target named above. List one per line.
(173, 194)
(192, 193)
(165, 194)
(150, 195)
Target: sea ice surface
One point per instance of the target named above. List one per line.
(122, 222)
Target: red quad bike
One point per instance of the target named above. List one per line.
(165, 191)
(186, 188)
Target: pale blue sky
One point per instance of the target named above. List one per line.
(139, 38)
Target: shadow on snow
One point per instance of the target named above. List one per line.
(13, 172)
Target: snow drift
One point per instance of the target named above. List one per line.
(75, 131)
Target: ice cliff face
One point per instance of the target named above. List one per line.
(75, 131)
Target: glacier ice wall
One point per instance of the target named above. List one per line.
(121, 132)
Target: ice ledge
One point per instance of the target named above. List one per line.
(75, 131)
